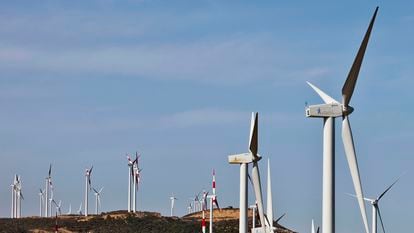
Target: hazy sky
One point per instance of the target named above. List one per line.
(84, 82)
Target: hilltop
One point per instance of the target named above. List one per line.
(121, 221)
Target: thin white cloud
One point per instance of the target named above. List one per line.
(202, 117)
(223, 61)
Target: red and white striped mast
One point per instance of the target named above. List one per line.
(204, 207)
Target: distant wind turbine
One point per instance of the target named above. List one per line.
(58, 207)
(375, 208)
(97, 200)
(48, 187)
(130, 174)
(136, 181)
(172, 198)
(313, 228)
(70, 210)
(79, 212)
(88, 186)
(41, 197)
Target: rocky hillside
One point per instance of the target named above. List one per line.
(121, 221)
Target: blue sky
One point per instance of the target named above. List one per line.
(83, 83)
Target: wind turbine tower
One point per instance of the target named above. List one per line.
(329, 111)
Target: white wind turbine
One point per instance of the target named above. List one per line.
(70, 210)
(41, 198)
(19, 197)
(329, 111)
(48, 187)
(130, 174)
(313, 228)
(97, 200)
(88, 186)
(172, 198)
(189, 207)
(50, 202)
(136, 180)
(14, 187)
(79, 212)
(58, 207)
(375, 208)
(244, 159)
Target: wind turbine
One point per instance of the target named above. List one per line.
(58, 207)
(47, 186)
(136, 180)
(172, 198)
(130, 174)
(80, 209)
(88, 173)
(50, 202)
(244, 159)
(19, 197)
(313, 228)
(70, 210)
(329, 111)
(97, 199)
(375, 208)
(14, 196)
(41, 197)
(196, 205)
(189, 207)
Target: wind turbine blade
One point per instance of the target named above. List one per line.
(380, 217)
(382, 194)
(325, 97)
(216, 202)
(100, 190)
(95, 190)
(366, 199)
(258, 192)
(351, 80)
(250, 179)
(353, 167)
(313, 227)
(267, 220)
(278, 219)
(253, 143)
(50, 170)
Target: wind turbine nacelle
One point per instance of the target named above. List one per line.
(324, 110)
(241, 158)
